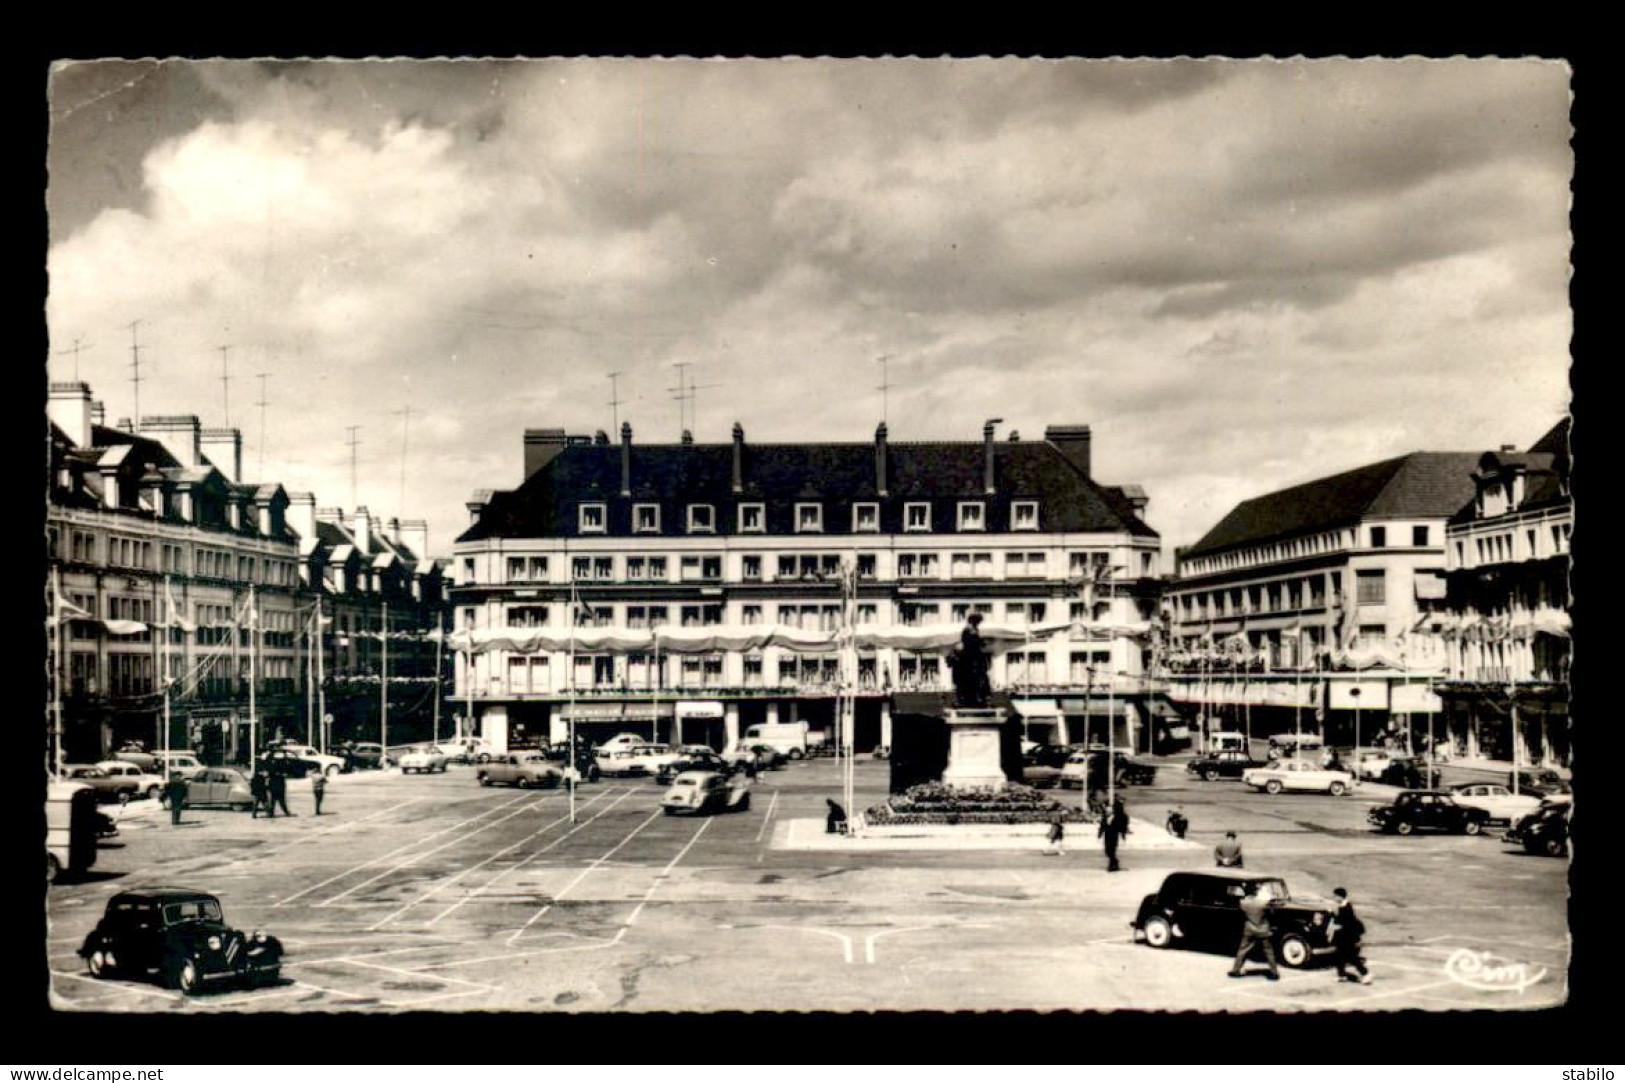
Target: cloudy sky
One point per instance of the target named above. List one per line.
(1242, 274)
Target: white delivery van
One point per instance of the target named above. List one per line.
(70, 824)
(789, 738)
(1227, 742)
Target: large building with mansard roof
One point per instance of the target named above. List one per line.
(739, 535)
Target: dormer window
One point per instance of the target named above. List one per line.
(809, 518)
(752, 519)
(1024, 515)
(917, 517)
(646, 518)
(702, 519)
(972, 515)
(865, 518)
(593, 519)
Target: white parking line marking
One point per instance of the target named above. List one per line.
(771, 805)
(392, 853)
(419, 856)
(525, 861)
(870, 941)
(660, 877)
(846, 941)
(331, 830)
(584, 873)
(439, 885)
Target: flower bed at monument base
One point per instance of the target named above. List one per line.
(935, 803)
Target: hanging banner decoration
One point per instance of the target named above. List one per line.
(124, 627)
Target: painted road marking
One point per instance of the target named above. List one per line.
(771, 805)
(392, 853)
(584, 873)
(515, 867)
(331, 830)
(439, 885)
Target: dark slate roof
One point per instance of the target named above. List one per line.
(782, 475)
(1555, 442)
(1423, 484)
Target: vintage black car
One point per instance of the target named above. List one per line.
(696, 761)
(1202, 910)
(1225, 763)
(1427, 810)
(1538, 782)
(1041, 766)
(1544, 831)
(181, 936)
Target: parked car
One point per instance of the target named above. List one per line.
(1227, 763)
(279, 761)
(147, 784)
(138, 755)
(423, 759)
(329, 765)
(71, 829)
(1498, 802)
(1288, 745)
(361, 755)
(1410, 773)
(1427, 810)
(706, 761)
(109, 788)
(765, 757)
(1041, 765)
(623, 741)
(1370, 763)
(1202, 910)
(522, 769)
(1299, 775)
(219, 786)
(1544, 831)
(707, 791)
(1539, 782)
(182, 936)
(183, 761)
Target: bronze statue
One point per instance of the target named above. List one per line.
(969, 664)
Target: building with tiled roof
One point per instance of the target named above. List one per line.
(1506, 626)
(742, 535)
(1297, 608)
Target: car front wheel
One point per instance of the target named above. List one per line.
(1404, 827)
(1211, 774)
(1158, 933)
(1472, 827)
(332, 770)
(1337, 789)
(153, 792)
(124, 797)
(185, 976)
(1295, 951)
(1554, 847)
(101, 963)
(1272, 787)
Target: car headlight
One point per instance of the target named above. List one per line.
(214, 943)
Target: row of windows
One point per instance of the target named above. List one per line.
(1275, 552)
(171, 558)
(593, 518)
(1308, 592)
(1504, 547)
(589, 568)
(824, 616)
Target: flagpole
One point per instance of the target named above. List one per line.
(439, 641)
(61, 668)
(383, 682)
(570, 629)
(321, 689)
(253, 679)
(169, 623)
(310, 685)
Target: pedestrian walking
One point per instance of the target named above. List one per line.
(1255, 933)
(175, 793)
(279, 793)
(318, 789)
(1348, 932)
(835, 822)
(259, 789)
(1056, 832)
(1227, 855)
(1113, 826)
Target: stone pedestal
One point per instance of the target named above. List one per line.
(974, 736)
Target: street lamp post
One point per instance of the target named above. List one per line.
(1354, 693)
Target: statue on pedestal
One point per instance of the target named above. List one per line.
(970, 664)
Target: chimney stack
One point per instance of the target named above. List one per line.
(69, 407)
(880, 458)
(302, 517)
(394, 531)
(179, 433)
(1072, 441)
(987, 459)
(739, 458)
(98, 414)
(541, 447)
(361, 530)
(688, 438)
(415, 536)
(224, 450)
(626, 458)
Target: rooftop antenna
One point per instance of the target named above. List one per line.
(77, 346)
(680, 393)
(406, 419)
(694, 401)
(225, 385)
(885, 385)
(615, 401)
(353, 442)
(262, 404)
(135, 366)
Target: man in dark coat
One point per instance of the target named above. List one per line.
(175, 793)
(835, 822)
(1255, 933)
(259, 787)
(1347, 933)
(1113, 826)
(279, 793)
